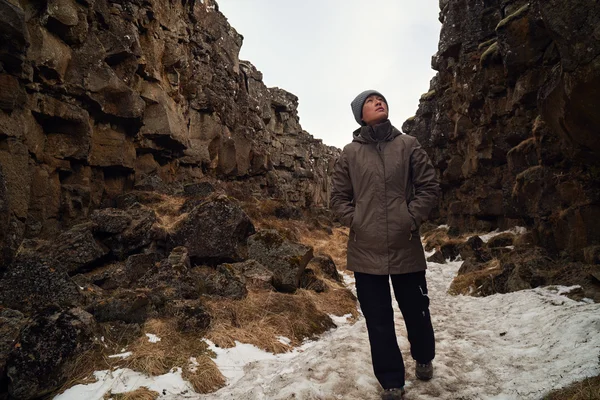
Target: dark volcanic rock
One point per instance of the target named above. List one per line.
(137, 235)
(509, 121)
(191, 315)
(214, 231)
(201, 189)
(11, 323)
(33, 282)
(77, 249)
(437, 257)
(130, 306)
(46, 348)
(473, 249)
(502, 240)
(110, 220)
(137, 265)
(450, 251)
(171, 279)
(286, 259)
(222, 282)
(326, 265)
(255, 274)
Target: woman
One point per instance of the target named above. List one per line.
(384, 186)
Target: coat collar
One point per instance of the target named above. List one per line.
(383, 132)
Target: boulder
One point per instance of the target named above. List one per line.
(200, 189)
(46, 350)
(129, 306)
(222, 282)
(437, 257)
(137, 265)
(191, 315)
(256, 275)
(214, 231)
(33, 281)
(501, 240)
(471, 265)
(77, 249)
(591, 254)
(168, 282)
(450, 251)
(286, 259)
(11, 323)
(326, 265)
(473, 249)
(109, 277)
(110, 220)
(137, 235)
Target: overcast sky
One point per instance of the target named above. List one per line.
(328, 51)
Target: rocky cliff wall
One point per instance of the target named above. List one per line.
(99, 97)
(511, 120)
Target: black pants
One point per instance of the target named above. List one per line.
(375, 300)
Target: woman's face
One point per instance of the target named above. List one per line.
(375, 110)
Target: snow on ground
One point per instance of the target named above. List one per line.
(517, 230)
(171, 386)
(507, 346)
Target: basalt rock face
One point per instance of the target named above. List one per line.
(129, 133)
(100, 97)
(511, 122)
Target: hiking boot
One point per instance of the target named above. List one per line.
(393, 394)
(424, 372)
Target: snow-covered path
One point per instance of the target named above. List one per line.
(512, 346)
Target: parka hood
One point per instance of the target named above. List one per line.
(383, 132)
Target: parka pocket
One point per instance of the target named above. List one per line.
(401, 220)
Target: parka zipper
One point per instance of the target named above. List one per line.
(387, 245)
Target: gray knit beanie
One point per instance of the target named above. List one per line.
(359, 101)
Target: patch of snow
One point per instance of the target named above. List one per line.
(284, 340)
(121, 355)
(517, 230)
(152, 338)
(171, 386)
(193, 366)
(344, 319)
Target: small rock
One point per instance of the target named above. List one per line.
(437, 257)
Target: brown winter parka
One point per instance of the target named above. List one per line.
(384, 186)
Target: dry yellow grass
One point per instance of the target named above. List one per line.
(435, 238)
(203, 374)
(337, 300)
(175, 349)
(262, 317)
(168, 212)
(333, 245)
(142, 393)
(588, 389)
(96, 359)
(469, 283)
